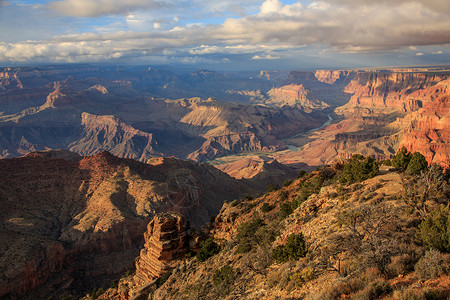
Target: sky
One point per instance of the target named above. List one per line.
(226, 34)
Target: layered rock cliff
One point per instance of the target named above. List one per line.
(165, 241)
(295, 95)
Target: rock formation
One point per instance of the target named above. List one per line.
(165, 241)
(294, 95)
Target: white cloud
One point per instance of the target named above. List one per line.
(265, 56)
(271, 6)
(438, 52)
(420, 54)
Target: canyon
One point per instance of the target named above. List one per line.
(102, 165)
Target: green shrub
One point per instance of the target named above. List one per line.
(417, 164)
(163, 278)
(301, 173)
(285, 210)
(235, 202)
(208, 249)
(359, 168)
(224, 275)
(249, 228)
(432, 294)
(266, 207)
(430, 265)
(246, 235)
(271, 188)
(434, 231)
(401, 159)
(294, 248)
(287, 182)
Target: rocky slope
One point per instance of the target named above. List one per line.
(70, 224)
(360, 242)
(260, 170)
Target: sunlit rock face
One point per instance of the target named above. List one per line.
(165, 241)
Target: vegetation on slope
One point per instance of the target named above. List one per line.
(384, 234)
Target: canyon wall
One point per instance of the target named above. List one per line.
(74, 224)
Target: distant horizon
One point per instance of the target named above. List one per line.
(184, 68)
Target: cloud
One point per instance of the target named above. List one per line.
(436, 5)
(265, 56)
(356, 26)
(438, 52)
(95, 8)
(420, 54)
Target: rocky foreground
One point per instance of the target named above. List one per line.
(326, 235)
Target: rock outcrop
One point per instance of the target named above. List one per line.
(331, 76)
(111, 134)
(165, 241)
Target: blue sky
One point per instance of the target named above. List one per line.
(226, 34)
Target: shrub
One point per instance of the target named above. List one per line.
(434, 231)
(417, 164)
(287, 182)
(430, 265)
(246, 235)
(235, 202)
(224, 275)
(271, 188)
(249, 228)
(285, 210)
(375, 290)
(359, 168)
(301, 173)
(294, 248)
(432, 294)
(401, 264)
(163, 278)
(266, 207)
(208, 249)
(401, 159)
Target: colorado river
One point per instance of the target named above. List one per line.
(293, 147)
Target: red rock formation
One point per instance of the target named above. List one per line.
(165, 241)
(331, 76)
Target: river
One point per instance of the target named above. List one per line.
(293, 147)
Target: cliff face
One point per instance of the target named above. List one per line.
(72, 223)
(111, 134)
(393, 91)
(331, 76)
(387, 110)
